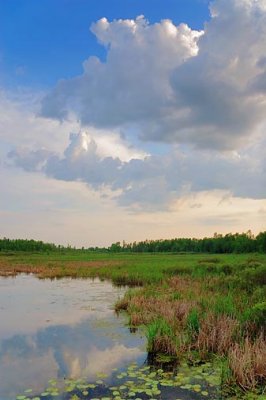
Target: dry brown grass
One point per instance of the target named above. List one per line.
(122, 304)
(181, 309)
(174, 312)
(140, 318)
(216, 334)
(248, 363)
(53, 269)
(13, 270)
(165, 345)
(144, 309)
(183, 285)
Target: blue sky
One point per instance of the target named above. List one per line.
(43, 41)
(131, 119)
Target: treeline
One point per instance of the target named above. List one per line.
(28, 245)
(229, 243)
(38, 246)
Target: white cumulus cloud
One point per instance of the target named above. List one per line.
(154, 181)
(132, 86)
(172, 83)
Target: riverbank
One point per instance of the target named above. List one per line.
(194, 306)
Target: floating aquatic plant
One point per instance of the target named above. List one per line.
(138, 383)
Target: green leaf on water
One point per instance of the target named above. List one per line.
(52, 382)
(75, 397)
(148, 392)
(69, 389)
(101, 375)
(188, 386)
(132, 375)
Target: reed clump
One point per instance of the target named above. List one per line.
(216, 334)
(247, 361)
(161, 337)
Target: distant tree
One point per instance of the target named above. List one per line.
(261, 242)
(115, 247)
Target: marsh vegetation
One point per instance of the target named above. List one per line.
(193, 308)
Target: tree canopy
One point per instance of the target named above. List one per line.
(229, 243)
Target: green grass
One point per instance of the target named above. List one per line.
(151, 267)
(193, 323)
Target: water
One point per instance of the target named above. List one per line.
(60, 328)
(64, 330)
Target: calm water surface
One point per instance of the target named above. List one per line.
(67, 329)
(60, 328)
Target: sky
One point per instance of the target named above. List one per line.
(132, 120)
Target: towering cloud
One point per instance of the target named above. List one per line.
(173, 84)
(132, 87)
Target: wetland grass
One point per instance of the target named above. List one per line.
(247, 361)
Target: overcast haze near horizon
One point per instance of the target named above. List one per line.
(132, 120)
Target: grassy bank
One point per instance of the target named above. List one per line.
(192, 306)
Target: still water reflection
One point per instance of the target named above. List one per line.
(60, 329)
